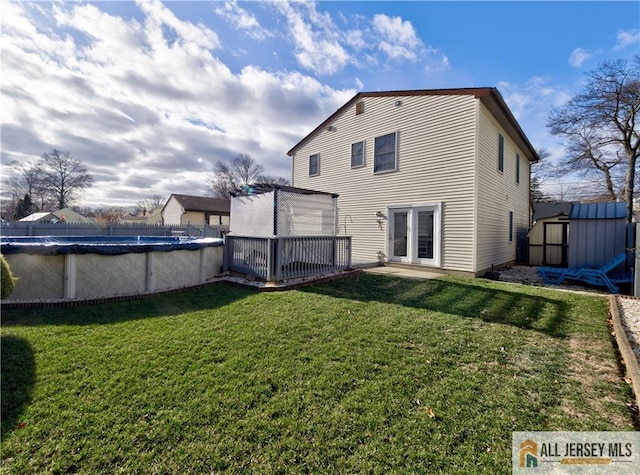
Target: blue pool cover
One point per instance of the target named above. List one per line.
(105, 245)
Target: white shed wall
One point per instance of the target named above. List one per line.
(252, 215)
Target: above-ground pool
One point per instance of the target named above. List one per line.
(96, 267)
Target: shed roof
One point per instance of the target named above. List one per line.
(203, 203)
(544, 209)
(490, 96)
(259, 188)
(598, 211)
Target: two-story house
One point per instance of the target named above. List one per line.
(438, 178)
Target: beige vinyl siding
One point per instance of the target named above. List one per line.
(193, 217)
(435, 163)
(498, 193)
(172, 212)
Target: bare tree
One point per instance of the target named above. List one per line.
(25, 178)
(64, 176)
(540, 172)
(272, 180)
(111, 214)
(600, 130)
(151, 204)
(229, 176)
(241, 171)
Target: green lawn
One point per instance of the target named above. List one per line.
(369, 374)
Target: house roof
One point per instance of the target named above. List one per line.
(599, 211)
(259, 188)
(37, 216)
(69, 215)
(545, 209)
(203, 203)
(488, 95)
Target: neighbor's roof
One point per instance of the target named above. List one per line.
(258, 188)
(203, 203)
(37, 216)
(599, 211)
(546, 209)
(71, 216)
(488, 95)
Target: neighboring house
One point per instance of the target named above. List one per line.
(438, 178)
(155, 216)
(196, 210)
(130, 219)
(65, 215)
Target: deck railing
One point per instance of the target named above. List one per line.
(281, 258)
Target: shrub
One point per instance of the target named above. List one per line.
(7, 281)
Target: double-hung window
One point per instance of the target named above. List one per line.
(357, 154)
(314, 164)
(384, 157)
(517, 168)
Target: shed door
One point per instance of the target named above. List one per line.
(556, 243)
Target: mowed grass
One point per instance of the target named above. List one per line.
(369, 374)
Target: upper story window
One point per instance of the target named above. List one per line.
(500, 152)
(384, 157)
(517, 168)
(357, 154)
(314, 164)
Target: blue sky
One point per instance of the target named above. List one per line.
(150, 94)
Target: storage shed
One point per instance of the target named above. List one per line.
(549, 241)
(598, 233)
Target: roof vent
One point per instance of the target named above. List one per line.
(359, 108)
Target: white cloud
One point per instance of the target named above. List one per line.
(578, 56)
(436, 62)
(397, 38)
(315, 36)
(627, 38)
(326, 47)
(242, 19)
(145, 103)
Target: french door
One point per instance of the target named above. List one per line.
(414, 234)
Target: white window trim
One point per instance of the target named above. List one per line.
(413, 208)
(395, 163)
(364, 153)
(309, 164)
